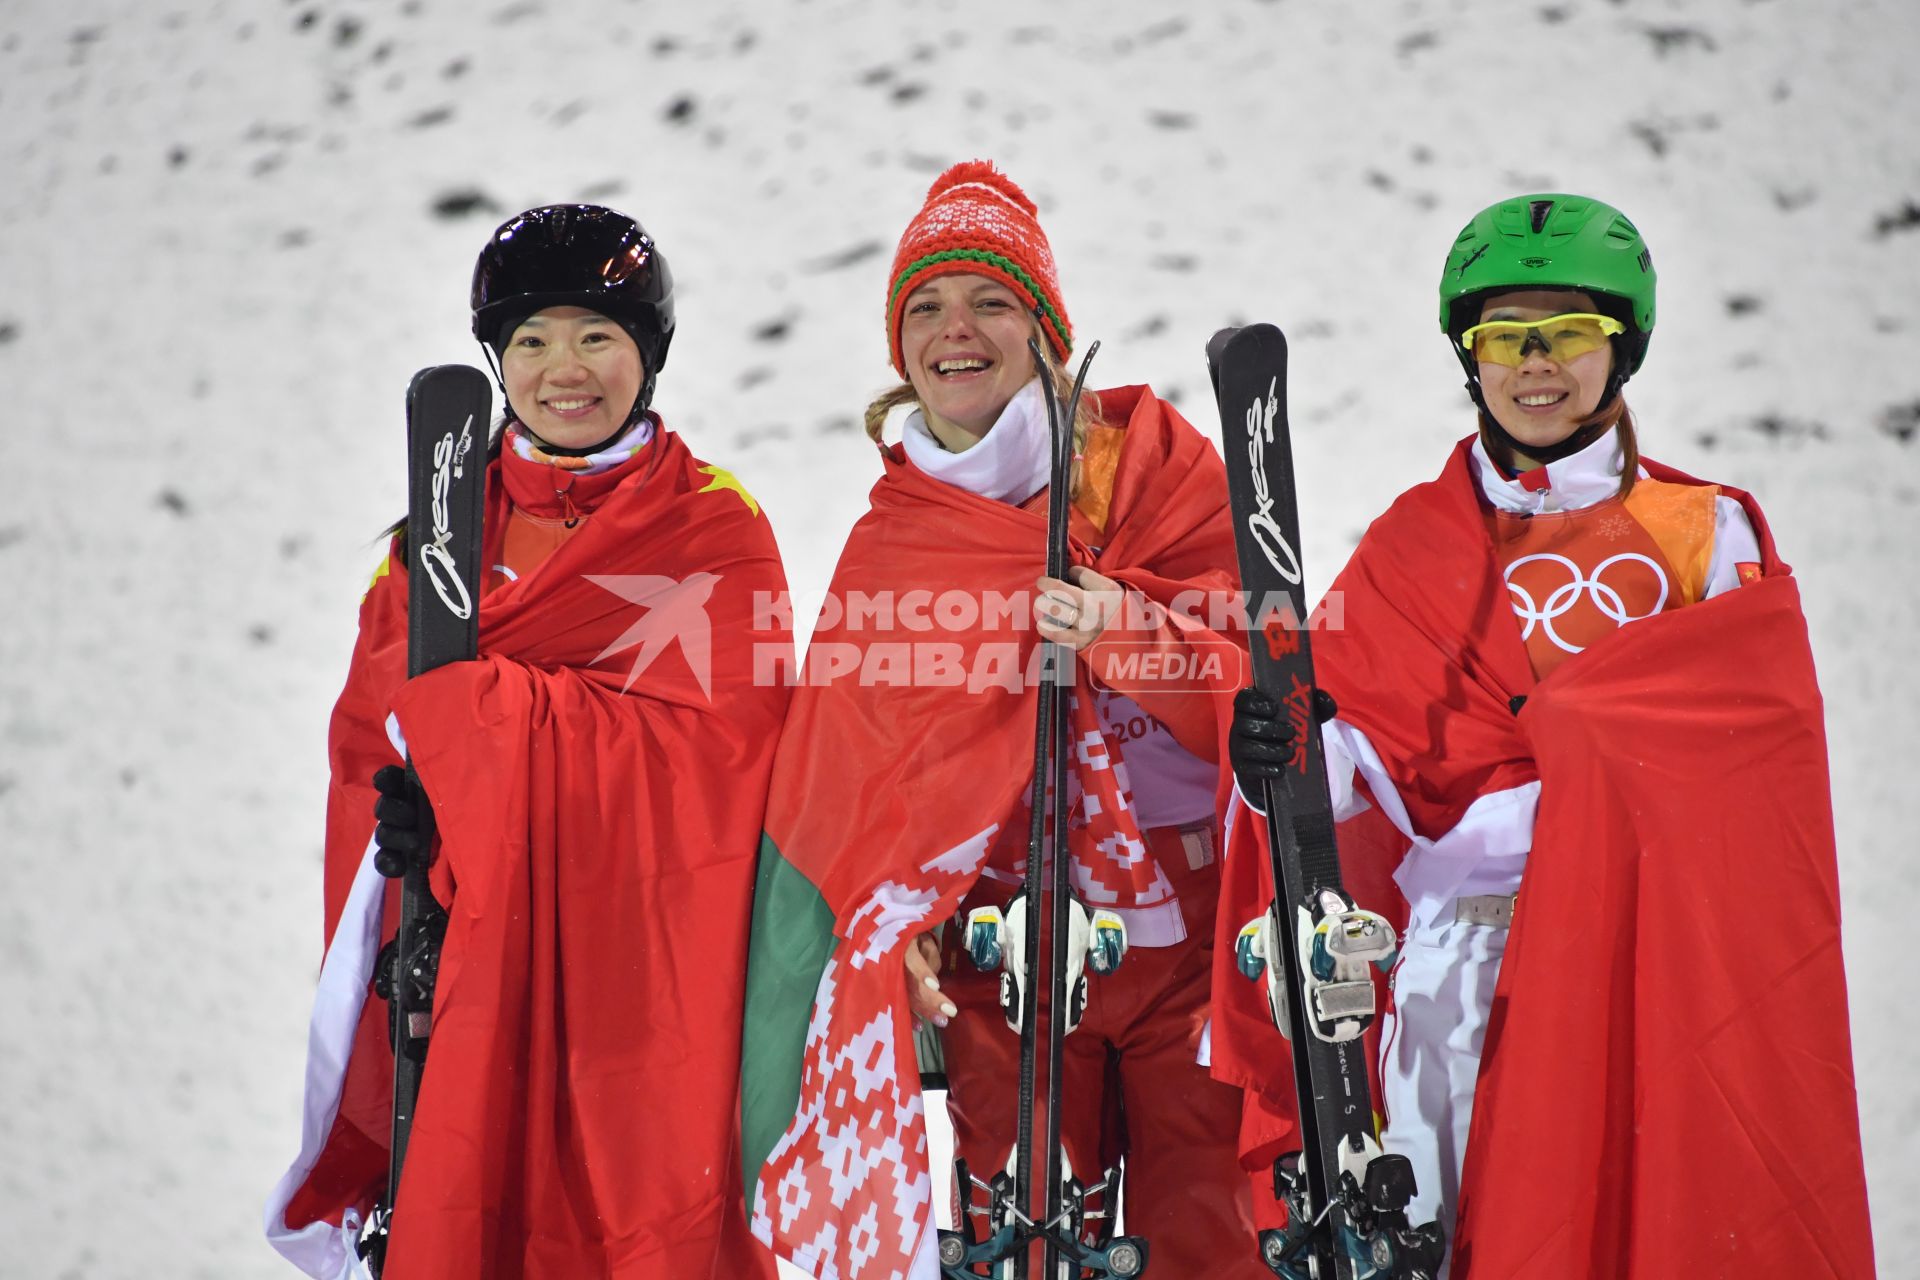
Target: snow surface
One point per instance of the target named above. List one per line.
(234, 229)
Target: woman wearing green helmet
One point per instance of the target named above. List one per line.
(1635, 817)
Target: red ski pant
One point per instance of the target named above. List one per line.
(1131, 1089)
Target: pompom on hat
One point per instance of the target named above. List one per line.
(977, 221)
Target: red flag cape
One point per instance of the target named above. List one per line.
(597, 776)
(886, 793)
(1667, 1083)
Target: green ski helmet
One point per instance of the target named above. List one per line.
(1552, 241)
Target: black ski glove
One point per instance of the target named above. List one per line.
(405, 818)
(1261, 742)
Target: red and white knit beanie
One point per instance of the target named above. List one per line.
(977, 221)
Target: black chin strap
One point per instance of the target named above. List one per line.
(634, 414)
(1543, 454)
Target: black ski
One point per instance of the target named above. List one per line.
(448, 407)
(1012, 1227)
(1346, 1202)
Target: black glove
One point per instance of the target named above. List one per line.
(1262, 741)
(405, 818)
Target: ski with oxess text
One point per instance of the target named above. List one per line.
(1346, 1201)
(448, 408)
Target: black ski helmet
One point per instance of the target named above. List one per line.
(580, 255)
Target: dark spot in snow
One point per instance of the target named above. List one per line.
(680, 110)
(665, 45)
(908, 91)
(843, 258)
(267, 164)
(1650, 134)
(1901, 421)
(1421, 155)
(1743, 304)
(1905, 218)
(1152, 327)
(295, 238)
(1174, 394)
(430, 117)
(345, 32)
(306, 21)
(1706, 440)
(1170, 119)
(460, 203)
(172, 501)
(293, 546)
(455, 69)
(1667, 39)
(128, 777)
(176, 156)
(514, 12)
(745, 41)
(1779, 427)
(1414, 41)
(339, 94)
(876, 75)
(1164, 30)
(1788, 201)
(11, 534)
(839, 424)
(601, 190)
(1379, 180)
(259, 634)
(568, 112)
(753, 377)
(1174, 261)
(1552, 14)
(381, 52)
(772, 330)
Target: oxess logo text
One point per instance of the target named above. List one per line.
(1265, 529)
(449, 460)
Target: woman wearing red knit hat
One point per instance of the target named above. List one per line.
(901, 788)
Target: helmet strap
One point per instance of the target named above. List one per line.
(1544, 454)
(639, 410)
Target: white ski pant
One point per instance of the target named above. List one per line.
(1430, 1055)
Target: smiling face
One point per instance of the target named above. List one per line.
(1541, 401)
(572, 376)
(963, 339)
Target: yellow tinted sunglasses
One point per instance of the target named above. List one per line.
(1561, 338)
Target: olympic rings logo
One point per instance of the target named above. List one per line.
(1565, 597)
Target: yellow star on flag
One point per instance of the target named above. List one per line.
(724, 479)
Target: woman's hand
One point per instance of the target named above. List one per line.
(1074, 613)
(923, 981)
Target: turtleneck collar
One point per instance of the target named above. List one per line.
(547, 485)
(1575, 481)
(1010, 463)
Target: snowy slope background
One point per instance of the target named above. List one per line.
(233, 230)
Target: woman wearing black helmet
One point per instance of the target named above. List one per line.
(595, 781)
(1579, 740)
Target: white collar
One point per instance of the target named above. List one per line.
(1010, 463)
(1575, 481)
